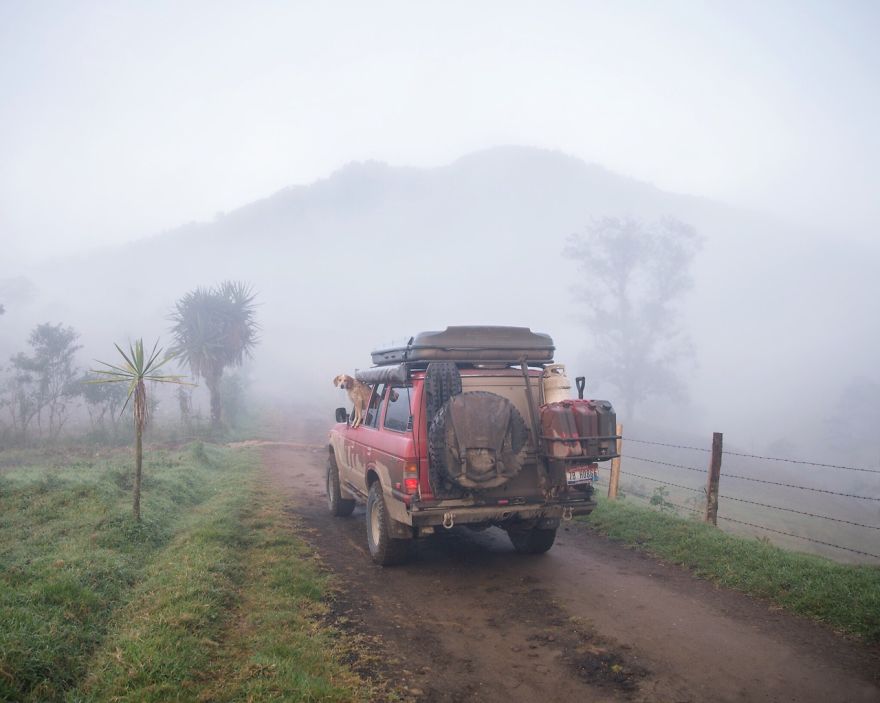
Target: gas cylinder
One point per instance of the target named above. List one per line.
(557, 387)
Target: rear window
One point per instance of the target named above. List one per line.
(398, 416)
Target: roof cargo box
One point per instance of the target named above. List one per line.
(472, 344)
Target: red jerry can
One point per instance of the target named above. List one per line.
(587, 422)
(559, 429)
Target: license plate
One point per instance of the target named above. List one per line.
(582, 474)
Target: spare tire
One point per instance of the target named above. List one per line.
(476, 441)
(442, 381)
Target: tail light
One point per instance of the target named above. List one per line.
(411, 478)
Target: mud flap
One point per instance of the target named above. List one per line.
(400, 530)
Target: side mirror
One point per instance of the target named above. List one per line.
(580, 382)
(341, 415)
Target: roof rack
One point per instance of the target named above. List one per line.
(471, 345)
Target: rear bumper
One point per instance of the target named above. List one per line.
(497, 514)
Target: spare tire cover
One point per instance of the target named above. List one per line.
(477, 440)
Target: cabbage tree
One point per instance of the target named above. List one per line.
(135, 369)
(215, 328)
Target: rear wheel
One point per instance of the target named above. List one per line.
(533, 540)
(384, 549)
(338, 506)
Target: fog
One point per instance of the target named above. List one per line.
(119, 122)
(377, 170)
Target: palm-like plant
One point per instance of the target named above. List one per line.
(215, 328)
(135, 370)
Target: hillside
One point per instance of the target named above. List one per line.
(375, 252)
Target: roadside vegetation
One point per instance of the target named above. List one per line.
(844, 596)
(209, 594)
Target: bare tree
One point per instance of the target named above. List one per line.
(103, 402)
(635, 274)
(22, 399)
(44, 380)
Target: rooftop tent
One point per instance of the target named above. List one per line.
(472, 344)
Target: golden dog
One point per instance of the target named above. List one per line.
(358, 392)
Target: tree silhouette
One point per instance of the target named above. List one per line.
(44, 379)
(635, 275)
(215, 328)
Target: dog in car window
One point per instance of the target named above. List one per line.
(358, 393)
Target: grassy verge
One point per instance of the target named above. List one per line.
(70, 553)
(275, 649)
(210, 598)
(162, 643)
(846, 597)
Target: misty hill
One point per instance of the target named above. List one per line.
(781, 319)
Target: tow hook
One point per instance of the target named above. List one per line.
(566, 513)
(448, 520)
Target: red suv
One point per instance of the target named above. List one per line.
(457, 432)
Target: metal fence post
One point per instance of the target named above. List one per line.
(711, 515)
(614, 480)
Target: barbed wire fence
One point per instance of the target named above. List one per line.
(775, 497)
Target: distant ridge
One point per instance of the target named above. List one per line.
(375, 251)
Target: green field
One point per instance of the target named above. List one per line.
(844, 596)
(211, 597)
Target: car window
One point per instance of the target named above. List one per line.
(398, 416)
(374, 407)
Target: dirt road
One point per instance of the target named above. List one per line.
(468, 619)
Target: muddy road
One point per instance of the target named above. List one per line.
(468, 619)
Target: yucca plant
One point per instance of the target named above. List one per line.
(135, 371)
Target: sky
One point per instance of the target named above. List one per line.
(122, 119)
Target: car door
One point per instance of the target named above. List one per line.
(360, 442)
(395, 456)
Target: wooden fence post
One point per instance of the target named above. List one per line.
(714, 476)
(614, 480)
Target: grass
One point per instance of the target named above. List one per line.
(844, 596)
(69, 554)
(276, 650)
(211, 597)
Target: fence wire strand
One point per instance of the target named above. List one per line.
(665, 502)
(791, 534)
(801, 512)
(803, 488)
(665, 463)
(755, 456)
(749, 478)
(800, 461)
(665, 483)
(753, 502)
(663, 444)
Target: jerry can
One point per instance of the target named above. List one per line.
(587, 421)
(559, 430)
(607, 427)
